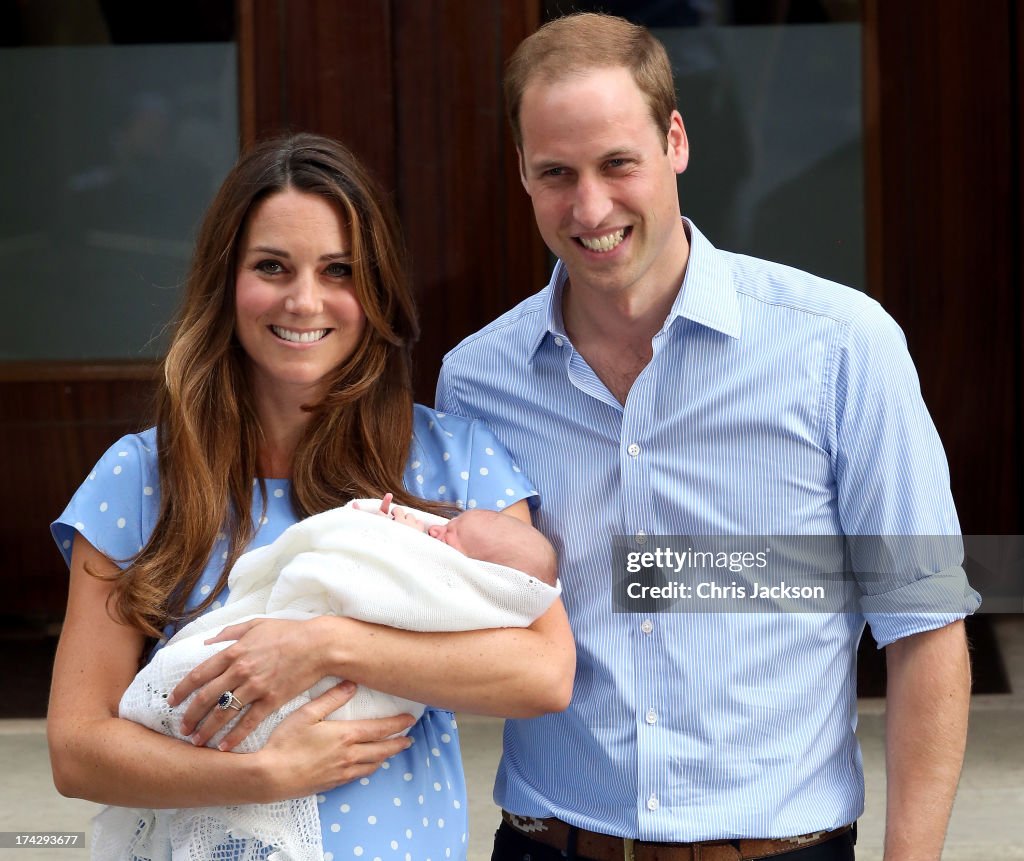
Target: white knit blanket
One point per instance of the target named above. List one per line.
(343, 562)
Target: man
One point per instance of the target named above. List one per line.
(659, 387)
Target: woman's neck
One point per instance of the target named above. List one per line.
(281, 428)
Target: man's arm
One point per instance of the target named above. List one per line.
(928, 696)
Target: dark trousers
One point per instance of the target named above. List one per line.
(510, 845)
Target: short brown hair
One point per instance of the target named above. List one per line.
(587, 40)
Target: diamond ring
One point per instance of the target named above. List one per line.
(228, 700)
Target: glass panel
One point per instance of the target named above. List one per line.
(112, 153)
(770, 94)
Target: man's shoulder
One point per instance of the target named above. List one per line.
(516, 329)
(770, 283)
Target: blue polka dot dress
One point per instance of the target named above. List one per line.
(413, 808)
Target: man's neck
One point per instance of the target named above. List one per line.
(615, 338)
(614, 331)
(633, 315)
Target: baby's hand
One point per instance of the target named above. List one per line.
(399, 515)
(385, 509)
(407, 518)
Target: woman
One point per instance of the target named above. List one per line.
(286, 391)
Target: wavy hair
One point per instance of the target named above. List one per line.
(357, 440)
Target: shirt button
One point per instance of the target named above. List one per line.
(633, 449)
(558, 341)
(652, 802)
(651, 716)
(641, 537)
(647, 626)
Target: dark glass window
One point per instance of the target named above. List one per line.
(122, 121)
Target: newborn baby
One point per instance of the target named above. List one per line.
(481, 569)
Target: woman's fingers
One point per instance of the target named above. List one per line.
(211, 667)
(358, 731)
(269, 662)
(331, 752)
(330, 700)
(234, 632)
(334, 698)
(197, 677)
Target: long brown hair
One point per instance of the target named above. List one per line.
(357, 440)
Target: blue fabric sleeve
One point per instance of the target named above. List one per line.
(893, 482)
(460, 461)
(115, 507)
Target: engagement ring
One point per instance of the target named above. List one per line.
(228, 700)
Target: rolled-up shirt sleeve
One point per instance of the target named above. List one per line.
(893, 487)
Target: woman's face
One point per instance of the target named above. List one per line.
(296, 312)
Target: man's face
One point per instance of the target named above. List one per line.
(602, 183)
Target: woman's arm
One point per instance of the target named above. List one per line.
(96, 755)
(506, 672)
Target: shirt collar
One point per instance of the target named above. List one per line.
(707, 296)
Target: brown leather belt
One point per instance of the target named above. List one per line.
(603, 847)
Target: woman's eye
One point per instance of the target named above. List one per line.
(269, 267)
(339, 270)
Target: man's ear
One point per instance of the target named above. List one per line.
(522, 169)
(678, 146)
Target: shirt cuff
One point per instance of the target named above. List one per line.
(922, 605)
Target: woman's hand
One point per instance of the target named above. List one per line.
(307, 754)
(272, 661)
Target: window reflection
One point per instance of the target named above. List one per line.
(119, 143)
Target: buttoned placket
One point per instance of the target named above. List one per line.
(638, 522)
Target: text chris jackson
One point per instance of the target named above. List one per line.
(675, 590)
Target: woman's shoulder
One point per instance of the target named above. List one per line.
(459, 460)
(142, 443)
(441, 435)
(429, 422)
(134, 454)
(115, 506)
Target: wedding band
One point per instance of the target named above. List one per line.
(228, 700)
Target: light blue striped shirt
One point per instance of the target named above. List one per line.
(776, 403)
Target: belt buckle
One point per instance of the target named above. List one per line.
(628, 849)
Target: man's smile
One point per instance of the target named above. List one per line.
(604, 243)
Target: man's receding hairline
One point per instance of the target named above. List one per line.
(550, 73)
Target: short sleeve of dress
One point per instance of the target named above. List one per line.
(115, 507)
(461, 461)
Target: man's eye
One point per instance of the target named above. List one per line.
(616, 162)
(555, 171)
(339, 270)
(270, 267)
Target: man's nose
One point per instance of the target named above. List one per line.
(592, 204)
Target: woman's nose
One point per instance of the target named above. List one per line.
(304, 295)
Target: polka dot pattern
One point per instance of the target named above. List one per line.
(414, 806)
